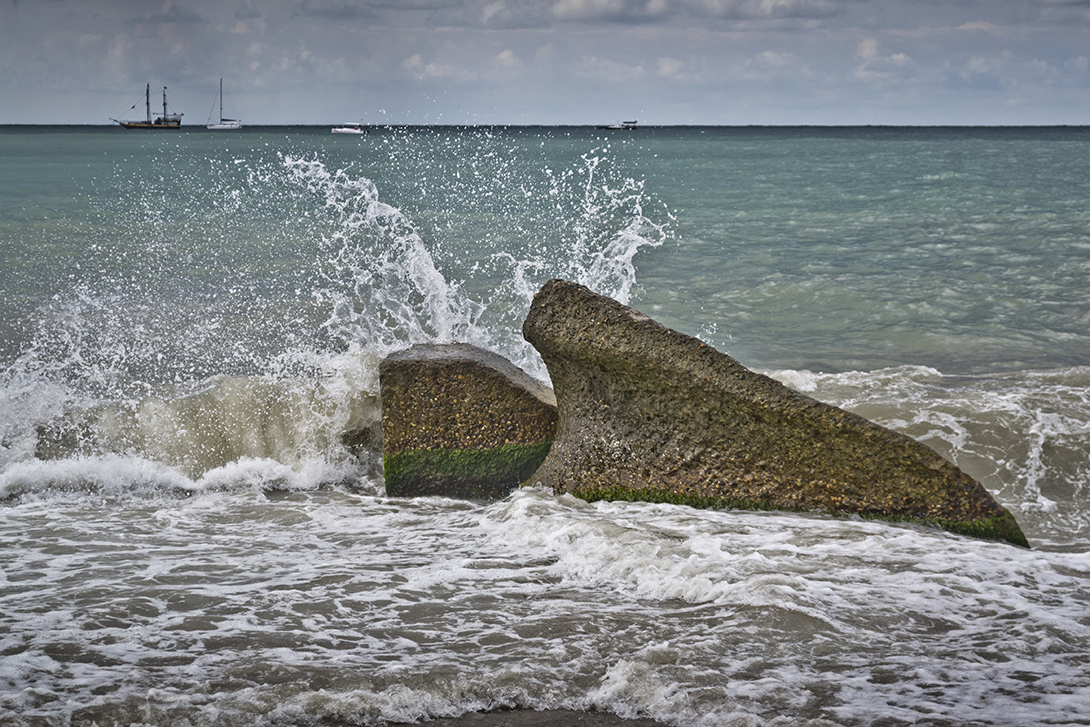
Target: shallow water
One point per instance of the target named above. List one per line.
(190, 323)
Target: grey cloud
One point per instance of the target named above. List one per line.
(516, 14)
(495, 14)
(763, 9)
(332, 11)
(964, 3)
(691, 60)
(646, 11)
(618, 11)
(172, 14)
(413, 4)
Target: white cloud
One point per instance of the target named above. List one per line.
(868, 49)
(775, 60)
(508, 60)
(978, 65)
(770, 64)
(604, 69)
(772, 61)
(990, 71)
(415, 66)
(742, 9)
(507, 65)
(670, 68)
(878, 67)
(984, 27)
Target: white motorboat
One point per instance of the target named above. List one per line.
(350, 129)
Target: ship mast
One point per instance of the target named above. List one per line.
(164, 104)
(147, 100)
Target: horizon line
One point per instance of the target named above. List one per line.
(591, 126)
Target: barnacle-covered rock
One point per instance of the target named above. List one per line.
(648, 413)
(461, 421)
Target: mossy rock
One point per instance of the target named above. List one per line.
(460, 421)
(471, 474)
(662, 416)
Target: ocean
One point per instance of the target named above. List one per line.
(190, 320)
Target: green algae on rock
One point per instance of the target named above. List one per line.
(647, 412)
(460, 421)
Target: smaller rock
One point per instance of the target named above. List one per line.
(460, 421)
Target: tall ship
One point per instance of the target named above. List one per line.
(166, 121)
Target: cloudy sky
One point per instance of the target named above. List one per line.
(551, 61)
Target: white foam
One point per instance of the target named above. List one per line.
(211, 555)
(878, 587)
(1021, 435)
(106, 476)
(423, 608)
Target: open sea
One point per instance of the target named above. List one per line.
(190, 320)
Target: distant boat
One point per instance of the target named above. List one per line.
(350, 129)
(223, 123)
(166, 121)
(626, 125)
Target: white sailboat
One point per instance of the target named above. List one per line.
(223, 123)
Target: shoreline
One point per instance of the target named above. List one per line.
(532, 718)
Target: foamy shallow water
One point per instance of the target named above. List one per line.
(265, 606)
(189, 325)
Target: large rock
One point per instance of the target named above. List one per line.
(460, 421)
(648, 413)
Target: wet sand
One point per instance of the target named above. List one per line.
(551, 718)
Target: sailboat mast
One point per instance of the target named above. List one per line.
(164, 102)
(147, 100)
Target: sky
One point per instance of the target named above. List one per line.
(662, 62)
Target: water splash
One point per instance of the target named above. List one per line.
(235, 307)
(484, 225)
(383, 287)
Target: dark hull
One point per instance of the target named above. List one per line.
(152, 125)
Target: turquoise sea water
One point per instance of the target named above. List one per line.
(201, 314)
